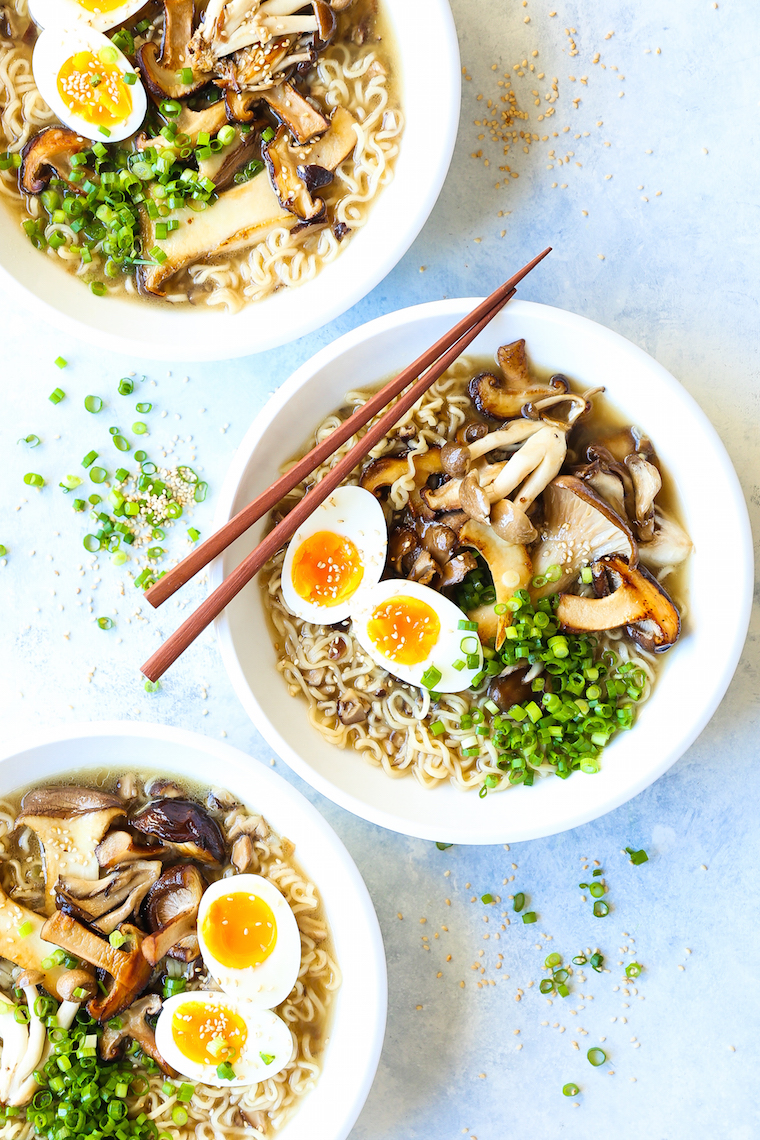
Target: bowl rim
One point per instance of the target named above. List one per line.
(455, 308)
(375, 999)
(241, 334)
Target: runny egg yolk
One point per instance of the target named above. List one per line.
(327, 569)
(94, 89)
(240, 930)
(100, 6)
(209, 1034)
(404, 630)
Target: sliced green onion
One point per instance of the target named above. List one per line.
(596, 890)
(89, 458)
(152, 686)
(60, 362)
(596, 1056)
(140, 428)
(430, 677)
(98, 474)
(225, 1072)
(143, 409)
(444, 846)
(126, 386)
(194, 534)
(32, 440)
(553, 960)
(570, 1090)
(600, 909)
(107, 623)
(545, 986)
(3, 551)
(486, 899)
(529, 917)
(93, 404)
(116, 938)
(186, 1093)
(518, 902)
(200, 492)
(32, 479)
(121, 444)
(637, 857)
(596, 961)
(25, 929)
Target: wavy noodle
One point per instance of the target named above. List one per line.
(346, 75)
(257, 1110)
(325, 665)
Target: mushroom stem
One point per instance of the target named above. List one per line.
(543, 453)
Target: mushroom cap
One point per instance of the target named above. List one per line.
(579, 528)
(184, 825)
(66, 802)
(502, 397)
(77, 980)
(31, 978)
(455, 459)
(49, 152)
(511, 523)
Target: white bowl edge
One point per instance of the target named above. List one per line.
(358, 1021)
(489, 826)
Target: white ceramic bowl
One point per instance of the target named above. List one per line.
(428, 51)
(695, 673)
(358, 1022)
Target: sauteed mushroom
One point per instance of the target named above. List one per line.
(637, 601)
(184, 826)
(134, 1027)
(171, 910)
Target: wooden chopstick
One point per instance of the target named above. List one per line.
(214, 604)
(263, 503)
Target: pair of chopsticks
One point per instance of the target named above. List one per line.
(421, 374)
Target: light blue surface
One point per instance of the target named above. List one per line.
(679, 277)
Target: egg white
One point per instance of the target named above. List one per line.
(57, 44)
(353, 513)
(266, 984)
(267, 1034)
(445, 652)
(53, 13)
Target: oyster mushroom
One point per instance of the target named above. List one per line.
(49, 153)
(105, 903)
(511, 523)
(69, 823)
(134, 1027)
(383, 472)
(184, 826)
(508, 562)
(28, 950)
(336, 143)
(637, 601)
(579, 528)
(502, 397)
(241, 216)
(161, 71)
(17, 1082)
(647, 483)
(457, 569)
(129, 970)
(270, 29)
(670, 545)
(302, 119)
(424, 569)
(119, 848)
(171, 910)
(352, 710)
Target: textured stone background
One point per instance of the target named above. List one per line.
(679, 278)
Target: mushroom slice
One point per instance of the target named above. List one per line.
(107, 902)
(647, 483)
(49, 153)
(184, 826)
(383, 472)
(508, 562)
(161, 72)
(352, 710)
(208, 121)
(241, 216)
(119, 848)
(473, 500)
(134, 1027)
(401, 543)
(224, 164)
(27, 950)
(457, 569)
(511, 688)
(69, 823)
(579, 528)
(503, 397)
(669, 546)
(637, 602)
(424, 569)
(337, 142)
(172, 910)
(287, 183)
(298, 115)
(130, 971)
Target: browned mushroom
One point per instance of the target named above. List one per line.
(290, 188)
(209, 120)
(637, 601)
(508, 562)
(161, 73)
(647, 483)
(130, 972)
(49, 153)
(511, 688)
(336, 143)
(184, 826)
(119, 847)
(381, 473)
(473, 499)
(105, 903)
(579, 528)
(134, 1027)
(30, 951)
(503, 397)
(471, 431)
(352, 710)
(401, 543)
(424, 569)
(511, 523)
(457, 569)
(302, 119)
(670, 544)
(69, 823)
(172, 910)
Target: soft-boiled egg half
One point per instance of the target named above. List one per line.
(418, 635)
(99, 14)
(88, 83)
(337, 552)
(249, 939)
(222, 1040)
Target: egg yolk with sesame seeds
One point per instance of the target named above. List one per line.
(93, 88)
(100, 7)
(208, 1033)
(327, 569)
(240, 929)
(404, 630)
